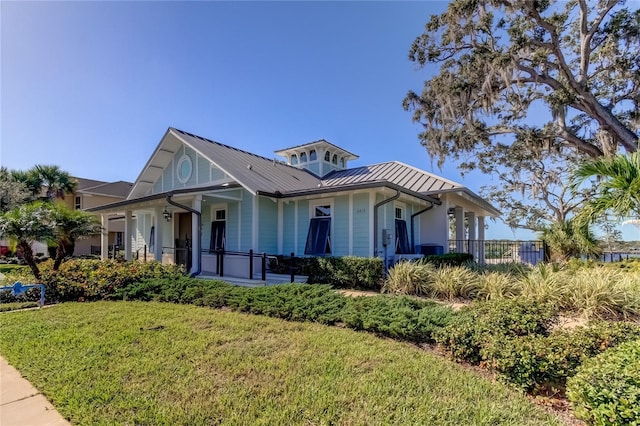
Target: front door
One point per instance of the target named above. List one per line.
(184, 242)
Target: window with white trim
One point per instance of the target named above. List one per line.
(303, 157)
(218, 238)
(78, 202)
(319, 234)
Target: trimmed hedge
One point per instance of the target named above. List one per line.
(606, 389)
(98, 279)
(401, 318)
(397, 317)
(449, 259)
(342, 272)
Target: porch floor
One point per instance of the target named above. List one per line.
(272, 279)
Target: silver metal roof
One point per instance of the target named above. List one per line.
(255, 173)
(400, 174)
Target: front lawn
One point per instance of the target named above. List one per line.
(154, 363)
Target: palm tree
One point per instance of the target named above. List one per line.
(56, 181)
(617, 188)
(25, 224)
(69, 226)
(569, 239)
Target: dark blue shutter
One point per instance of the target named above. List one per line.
(402, 238)
(318, 236)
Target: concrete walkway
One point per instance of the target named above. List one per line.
(23, 405)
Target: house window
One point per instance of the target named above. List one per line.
(184, 169)
(312, 155)
(327, 156)
(319, 235)
(342, 162)
(334, 160)
(294, 159)
(78, 203)
(152, 239)
(217, 240)
(303, 157)
(399, 213)
(119, 238)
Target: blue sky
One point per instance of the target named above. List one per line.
(93, 86)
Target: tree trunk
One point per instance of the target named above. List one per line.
(61, 253)
(27, 254)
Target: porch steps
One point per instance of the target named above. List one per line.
(272, 279)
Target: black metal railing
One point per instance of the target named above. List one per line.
(267, 262)
(503, 251)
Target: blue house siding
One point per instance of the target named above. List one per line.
(268, 226)
(232, 226)
(246, 221)
(361, 225)
(288, 229)
(204, 167)
(340, 222)
(303, 226)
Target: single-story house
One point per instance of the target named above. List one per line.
(195, 197)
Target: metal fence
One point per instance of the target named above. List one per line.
(503, 251)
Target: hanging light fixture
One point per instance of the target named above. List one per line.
(167, 215)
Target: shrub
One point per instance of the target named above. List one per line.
(449, 259)
(296, 302)
(397, 317)
(604, 293)
(474, 326)
(97, 279)
(409, 278)
(344, 272)
(606, 389)
(544, 284)
(496, 285)
(540, 364)
(454, 282)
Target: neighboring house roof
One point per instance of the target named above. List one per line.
(87, 183)
(118, 189)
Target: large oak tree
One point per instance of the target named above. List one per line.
(521, 82)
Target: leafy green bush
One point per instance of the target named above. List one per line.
(449, 259)
(474, 326)
(409, 278)
(397, 317)
(343, 272)
(542, 364)
(98, 279)
(606, 389)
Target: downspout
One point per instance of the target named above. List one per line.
(197, 213)
(375, 220)
(413, 237)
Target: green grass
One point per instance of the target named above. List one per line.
(11, 268)
(12, 306)
(155, 364)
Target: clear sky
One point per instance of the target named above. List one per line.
(93, 86)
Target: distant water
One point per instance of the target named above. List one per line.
(619, 256)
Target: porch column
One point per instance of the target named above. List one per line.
(128, 228)
(196, 235)
(158, 234)
(481, 239)
(459, 214)
(471, 221)
(104, 237)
